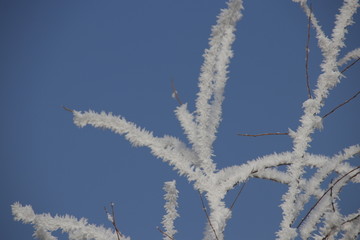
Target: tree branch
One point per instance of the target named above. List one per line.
(175, 93)
(330, 189)
(238, 194)
(279, 133)
(164, 233)
(111, 218)
(347, 101)
(261, 134)
(207, 215)
(68, 109)
(350, 65)
(307, 55)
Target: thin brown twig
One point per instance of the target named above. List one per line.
(350, 65)
(307, 50)
(207, 215)
(317, 202)
(164, 233)
(332, 200)
(175, 93)
(262, 134)
(278, 133)
(113, 221)
(68, 109)
(340, 105)
(238, 194)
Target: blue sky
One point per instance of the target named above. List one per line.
(120, 56)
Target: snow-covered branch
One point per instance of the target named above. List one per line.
(310, 121)
(45, 224)
(354, 54)
(170, 149)
(212, 82)
(170, 208)
(322, 221)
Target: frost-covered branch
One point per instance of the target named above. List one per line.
(325, 205)
(200, 127)
(171, 204)
(310, 121)
(170, 149)
(45, 224)
(352, 55)
(212, 82)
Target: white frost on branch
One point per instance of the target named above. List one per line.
(311, 120)
(170, 149)
(195, 161)
(354, 54)
(171, 204)
(212, 82)
(77, 229)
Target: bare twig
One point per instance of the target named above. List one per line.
(164, 233)
(332, 200)
(175, 93)
(330, 189)
(207, 215)
(278, 133)
(347, 101)
(262, 134)
(113, 221)
(350, 65)
(68, 109)
(238, 194)
(307, 55)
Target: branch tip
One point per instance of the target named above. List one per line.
(175, 93)
(68, 109)
(164, 233)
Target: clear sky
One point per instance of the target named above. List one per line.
(120, 56)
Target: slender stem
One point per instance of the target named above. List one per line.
(307, 50)
(340, 105)
(118, 233)
(278, 133)
(175, 93)
(350, 65)
(207, 215)
(238, 194)
(164, 233)
(262, 134)
(68, 109)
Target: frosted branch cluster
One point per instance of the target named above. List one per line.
(322, 221)
(44, 224)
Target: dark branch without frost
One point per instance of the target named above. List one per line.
(164, 233)
(238, 194)
(278, 133)
(68, 109)
(332, 199)
(307, 55)
(113, 221)
(340, 105)
(261, 134)
(175, 93)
